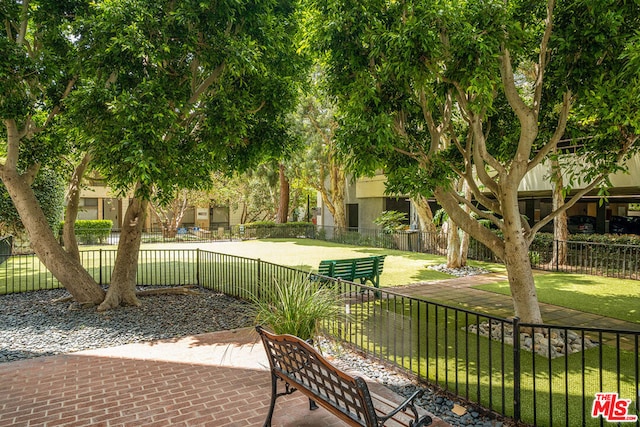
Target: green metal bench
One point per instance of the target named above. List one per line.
(353, 269)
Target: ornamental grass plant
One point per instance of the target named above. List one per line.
(296, 306)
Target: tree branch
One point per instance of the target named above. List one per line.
(24, 20)
(526, 116)
(7, 28)
(510, 90)
(542, 58)
(31, 173)
(450, 204)
(567, 103)
(13, 144)
(55, 110)
(206, 83)
(482, 157)
(630, 141)
(464, 201)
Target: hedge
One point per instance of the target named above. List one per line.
(270, 229)
(92, 231)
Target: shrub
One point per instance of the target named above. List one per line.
(391, 221)
(296, 306)
(269, 229)
(89, 232)
(48, 189)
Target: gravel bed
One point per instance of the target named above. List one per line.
(467, 270)
(439, 404)
(34, 324)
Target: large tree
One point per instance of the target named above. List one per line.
(158, 94)
(433, 92)
(38, 72)
(176, 90)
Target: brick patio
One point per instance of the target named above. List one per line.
(216, 379)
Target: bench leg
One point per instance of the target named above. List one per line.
(312, 405)
(274, 395)
(425, 420)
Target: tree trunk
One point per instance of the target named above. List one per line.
(458, 247)
(425, 215)
(71, 212)
(560, 227)
(464, 248)
(512, 249)
(453, 245)
(283, 205)
(122, 290)
(69, 272)
(516, 260)
(466, 238)
(521, 283)
(333, 197)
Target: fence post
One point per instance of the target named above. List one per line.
(516, 369)
(557, 251)
(100, 266)
(260, 283)
(198, 266)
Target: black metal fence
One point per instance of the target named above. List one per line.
(441, 345)
(6, 248)
(198, 234)
(602, 259)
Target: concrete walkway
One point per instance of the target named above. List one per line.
(459, 291)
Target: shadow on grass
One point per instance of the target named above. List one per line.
(433, 343)
(563, 289)
(307, 242)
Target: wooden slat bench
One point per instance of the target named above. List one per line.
(301, 368)
(352, 269)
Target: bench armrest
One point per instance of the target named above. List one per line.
(418, 421)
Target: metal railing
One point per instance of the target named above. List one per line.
(597, 259)
(602, 259)
(6, 248)
(435, 343)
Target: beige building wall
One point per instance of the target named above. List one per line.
(369, 194)
(99, 202)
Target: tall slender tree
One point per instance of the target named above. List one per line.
(320, 164)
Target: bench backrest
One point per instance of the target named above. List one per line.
(353, 268)
(298, 364)
(365, 267)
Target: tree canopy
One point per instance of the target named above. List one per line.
(177, 89)
(159, 94)
(434, 92)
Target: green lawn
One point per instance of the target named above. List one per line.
(160, 263)
(617, 298)
(431, 342)
(400, 268)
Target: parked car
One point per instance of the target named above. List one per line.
(581, 224)
(624, 225)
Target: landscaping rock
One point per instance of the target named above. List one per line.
(547, 342)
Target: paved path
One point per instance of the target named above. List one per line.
(460, 291)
